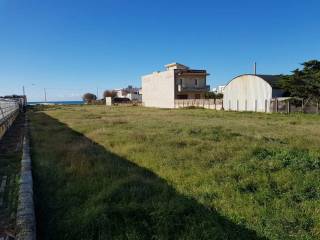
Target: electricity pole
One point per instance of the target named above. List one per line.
(45, 95)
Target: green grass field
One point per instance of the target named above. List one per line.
(140, 173)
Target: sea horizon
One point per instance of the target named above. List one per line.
(57, 102)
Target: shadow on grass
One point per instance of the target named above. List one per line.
(83, 191)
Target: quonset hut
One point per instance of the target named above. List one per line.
(251, 93)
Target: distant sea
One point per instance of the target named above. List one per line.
(57, 103)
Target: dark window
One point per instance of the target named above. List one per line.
(197, 96)
(196, 82)
(182, 96)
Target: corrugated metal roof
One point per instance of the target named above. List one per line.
(273, 80)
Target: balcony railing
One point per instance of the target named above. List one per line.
(193, 89)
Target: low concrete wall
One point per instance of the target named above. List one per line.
(6, 123)
(9, 110)
(26, 221)
(205, 103)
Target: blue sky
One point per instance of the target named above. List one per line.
(72, 47)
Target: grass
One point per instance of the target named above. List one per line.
(141, 173)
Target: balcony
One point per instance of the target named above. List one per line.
(182, 88)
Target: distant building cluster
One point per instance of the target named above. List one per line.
(179, 85)
(132, 93)
(219, 89)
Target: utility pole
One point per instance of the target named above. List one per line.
(24, 88)
(97, 93)
(255, 68)
(45, 95)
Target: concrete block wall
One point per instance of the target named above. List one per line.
(158, 89)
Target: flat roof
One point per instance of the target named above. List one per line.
(175, 64)
(191, 72)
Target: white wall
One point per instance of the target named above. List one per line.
(250, 92)
(158, 89)
(108, 101)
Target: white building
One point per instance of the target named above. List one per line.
(251, 93)
(220, 89)
(130, 92)
(161, 89)
(134, 97)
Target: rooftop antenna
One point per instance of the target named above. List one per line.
(255, 68)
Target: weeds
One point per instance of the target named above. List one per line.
(175, 174)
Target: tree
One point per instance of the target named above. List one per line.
(210, 95)
(219, 95)
(108, 93)
(89, 97)
(213, 95)
(304, 83)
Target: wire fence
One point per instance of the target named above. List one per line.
(275, 105)
(293, 105)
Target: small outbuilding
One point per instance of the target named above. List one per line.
(252, 93)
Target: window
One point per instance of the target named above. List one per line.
(182, 96)
(180, 82)
(196, 82)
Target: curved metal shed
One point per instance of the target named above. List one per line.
(251, 92)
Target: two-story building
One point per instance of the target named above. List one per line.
(161, 89)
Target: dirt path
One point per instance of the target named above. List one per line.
(10, 157)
